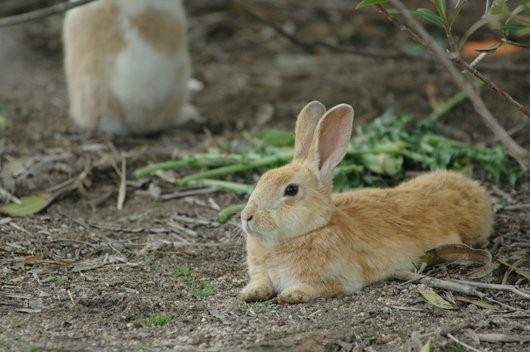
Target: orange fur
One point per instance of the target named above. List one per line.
(315, 244)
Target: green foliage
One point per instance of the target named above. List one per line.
(378, 151)
(31, 349)
(62, 280)
(154, 319)
(5, 343)
(258, 307)
(184, 270)
(149, 259)
(19, 322)
(203, 289)
(515, 21)
(198, 288)
(365, 3)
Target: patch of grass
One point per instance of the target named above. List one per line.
(112, 299)
(5, 343)
(62, 280)
(184, 270)
(19, 322)
(259, 307)
(204, 290)
(154, 319)
(401, 333)
(149, 259)
(30, 349)
(198, 288)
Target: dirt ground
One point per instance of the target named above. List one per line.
(84, 276)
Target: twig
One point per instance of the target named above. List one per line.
(118, 229)
(510, 288)
(71, 299)
(9, 197)
(199, 244)
(489, 83)
(516, 207)
(79, 222)
(463, 344)
(503, 338)
(411, 309)
(123, 184)
(189, 193)
(433, 282)
(521, 155)
(38, 14)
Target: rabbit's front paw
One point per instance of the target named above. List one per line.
(253, 293)
(300, 293)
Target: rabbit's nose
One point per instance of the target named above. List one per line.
(248, 213)
(246, 216)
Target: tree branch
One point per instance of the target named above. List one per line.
(521, 155)
(38, 14)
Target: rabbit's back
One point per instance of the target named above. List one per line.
(394, 226)
(127, 64)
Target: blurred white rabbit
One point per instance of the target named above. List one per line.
(127, 65)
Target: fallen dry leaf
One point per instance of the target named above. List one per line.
(461, 254)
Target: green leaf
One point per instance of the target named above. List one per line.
(225, 213)
(435, 299)
(30, 205)
(365, 3)
(428, 15)
(513, 27)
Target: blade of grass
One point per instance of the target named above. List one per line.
(452, 102)
(513, 267)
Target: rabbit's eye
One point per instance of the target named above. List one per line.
(291, 190)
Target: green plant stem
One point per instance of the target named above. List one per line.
(230, 169)
(195, 161)
(239, 188)
(452, 102)
(225, 213)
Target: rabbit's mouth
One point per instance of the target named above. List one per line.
(246, 226)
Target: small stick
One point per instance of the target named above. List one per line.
(433, 282)
(495, 338)
(38, 14)
(463, 344)
(123, 185)
(510, 288)
(198, 244)
(489, 83)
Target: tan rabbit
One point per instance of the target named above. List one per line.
(303, 242)
(127, 65)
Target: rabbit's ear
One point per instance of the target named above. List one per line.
(305, 128)
(331, 141)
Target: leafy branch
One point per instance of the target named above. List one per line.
(418, 33)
